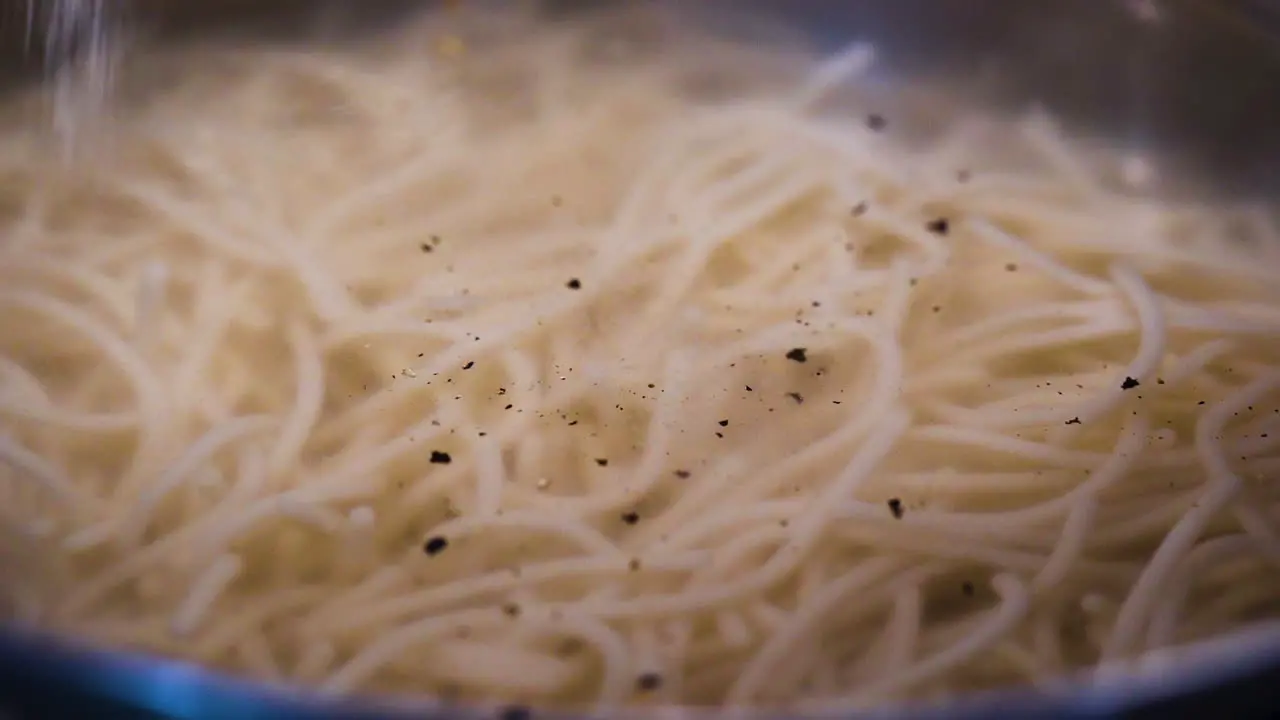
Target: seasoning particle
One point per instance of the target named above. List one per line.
(515, 712)
(939, 226)
(1073, 421)
(876, 122)
(440, 458)
(631, 518)
(895, 507)
(602, 462)
(966, 587)
(648, 682)
(469, 365)
(1129, 383)
(425, 247)
(683, 474)
(724, 423)
(574, 284)
(798, 354)
(435, 545)
(797, 397)
(859, 210)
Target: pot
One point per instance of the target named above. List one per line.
(1195, 83)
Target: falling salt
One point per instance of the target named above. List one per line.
(81, 50)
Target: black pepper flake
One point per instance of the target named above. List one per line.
(469, 365)
(440, 458)
(797, 397)
(1129, 383)
(631, 518)
(511, 609)
(895, 507)
(859, 210)
(602, 462)
(876, 122)
(1159, 381)
(798, 354)
(648, 682)
(435, 545)
(1011, 267)
(574, 284)
(724, 423)
(967, 588)
(426, 247)
(1074, 421)
(940, 226)
(748, 387)
(435, 240)
(515, 712)
(570, 647)
(634, 564)
(449, 694)
(683, 474)
(1200, 403)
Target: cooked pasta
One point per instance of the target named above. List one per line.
(608, 364)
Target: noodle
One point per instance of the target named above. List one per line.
(531, 371)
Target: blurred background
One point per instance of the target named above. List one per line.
(1199, 76)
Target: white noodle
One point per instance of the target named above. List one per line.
(549, 379)
(204, 593)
